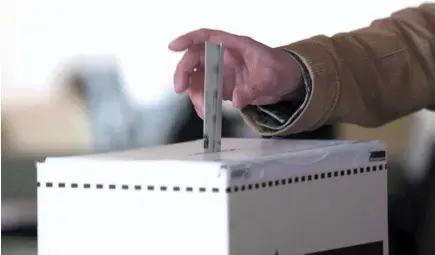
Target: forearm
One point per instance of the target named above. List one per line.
(369, 76)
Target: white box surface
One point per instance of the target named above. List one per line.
(256, 197)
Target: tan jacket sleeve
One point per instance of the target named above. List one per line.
(366, 77)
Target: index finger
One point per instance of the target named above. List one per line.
(200, 36)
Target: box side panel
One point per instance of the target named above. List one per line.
(87, 212)
(325, 210)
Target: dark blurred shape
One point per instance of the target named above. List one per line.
(18, 195)
(426, 231)
(19, 227)
(193, 125)
(412, 212)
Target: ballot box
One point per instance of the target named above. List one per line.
(255, 197)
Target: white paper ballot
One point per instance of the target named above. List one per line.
(213, 97)
(255, 197)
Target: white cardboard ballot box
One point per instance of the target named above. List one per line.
(255, 197)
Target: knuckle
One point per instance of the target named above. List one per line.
(203, 31)
(253, 91)
(189, 61)
(245, 38)
(182, 63)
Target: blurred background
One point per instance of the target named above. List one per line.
(91, 75)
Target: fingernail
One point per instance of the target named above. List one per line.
(177, 88)
(173, 45)
(170, 45)
(201, 109)
(199, 112)
(181, 87)
(236, 102)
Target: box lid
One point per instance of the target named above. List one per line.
(234, 150)
(240, 159)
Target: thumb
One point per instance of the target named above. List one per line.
(264, 100)
(244, 94)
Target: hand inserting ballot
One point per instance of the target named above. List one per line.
(253, 73)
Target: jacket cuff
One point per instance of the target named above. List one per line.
(277, 116)
(321, 84)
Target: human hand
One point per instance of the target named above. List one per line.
(253, 72)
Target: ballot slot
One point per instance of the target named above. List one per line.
(212, 129)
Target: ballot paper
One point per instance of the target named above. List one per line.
(213, 97)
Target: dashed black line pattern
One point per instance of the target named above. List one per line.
(233, 189)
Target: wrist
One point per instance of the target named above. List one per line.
(297, 95)
(304, 86)
(283, 113)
